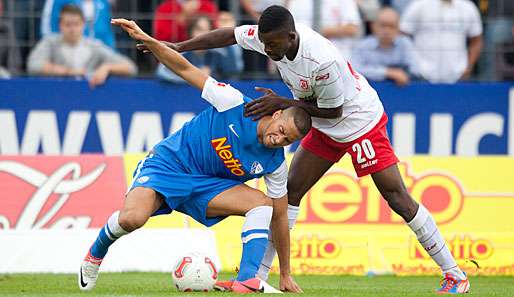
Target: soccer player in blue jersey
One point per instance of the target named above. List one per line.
(200, 170)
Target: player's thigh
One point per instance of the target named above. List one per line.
(305, 170)
(140, 203)
(237, 200)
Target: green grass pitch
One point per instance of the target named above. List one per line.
(159, 284)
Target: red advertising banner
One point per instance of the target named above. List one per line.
(40, 192)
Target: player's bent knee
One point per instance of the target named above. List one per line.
(259, 199)
(131, 220)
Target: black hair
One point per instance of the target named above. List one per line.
(71, 9)
(276, 18)
(302, 119)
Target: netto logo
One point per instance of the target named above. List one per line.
(313, 247)
(224, 152)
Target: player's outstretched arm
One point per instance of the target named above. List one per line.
(281, 240)
(167, 56)
(216, 38)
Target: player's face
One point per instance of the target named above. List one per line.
(72, 26)
(281, 131)
(276, 43)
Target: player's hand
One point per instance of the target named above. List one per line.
(143, 48)
(265, 105)
(287, 284)
(132, 29)
(99, 76)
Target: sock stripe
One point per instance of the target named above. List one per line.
(438, 251)
(109, 233)
(262, 264)
(429, 237)
(253, 231)
(254, 236)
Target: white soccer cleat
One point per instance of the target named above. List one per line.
(88, 272)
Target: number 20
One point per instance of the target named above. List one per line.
(365, 146)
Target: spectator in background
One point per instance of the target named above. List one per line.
(340, 21)
(254, 8)
(233, 55)
(500, 19)
(97, 16)
(369, 11)
(172, 17)
(400, 5)
(70, 54)
(386, 54)
(447, 37)
(213, 62)
(10, 61)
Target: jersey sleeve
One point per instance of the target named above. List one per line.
(475, 23)
(329, 86)
(220, 95)
(247, 37)
(276, 182)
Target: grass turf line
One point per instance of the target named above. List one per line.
(159, 284)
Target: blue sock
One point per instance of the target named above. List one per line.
(253, 252)
(255, 239)
(107, 236)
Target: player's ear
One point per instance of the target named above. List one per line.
(276, 114)
(292, 36)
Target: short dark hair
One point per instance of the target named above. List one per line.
(302, 119)
(276, 18)
(71, 9)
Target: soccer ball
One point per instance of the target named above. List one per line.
(194, 272)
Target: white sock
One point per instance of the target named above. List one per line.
(269, 255)
(114, 225)
(258, 218)
(430, 237)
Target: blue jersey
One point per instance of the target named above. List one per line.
(221, 141)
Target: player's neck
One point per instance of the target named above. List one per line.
(293, 51)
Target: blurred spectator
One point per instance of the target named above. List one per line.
(25, 15)
(400, 5)
(386, 54)
(500, 19)
(369, 10)
(447, 37)
(213, 62)
(172, 17)
(233, 55)
(10, 61)
(505, 59)
(97, 15)
(254, 8)
(70, 54)
(339, 20)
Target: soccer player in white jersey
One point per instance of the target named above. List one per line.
(347, 117)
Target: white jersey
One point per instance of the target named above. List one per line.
(318, 72)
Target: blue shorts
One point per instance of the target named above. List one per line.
(182, 191)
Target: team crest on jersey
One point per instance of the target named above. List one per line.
(304, 84)
(256, 168)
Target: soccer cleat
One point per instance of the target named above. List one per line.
(88, 272)
(223, 285)
(253, 285)
(450, 285)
